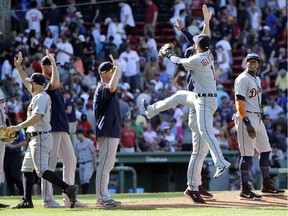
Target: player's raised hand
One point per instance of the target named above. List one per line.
(18, 61)
(114, 62)
(179, 25)
(206, 13)
(51, 57)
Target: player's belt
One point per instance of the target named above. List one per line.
(32, 134)
(206, 95)
(85, 162)
(257, 113)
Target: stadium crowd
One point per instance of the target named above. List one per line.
(82, 35)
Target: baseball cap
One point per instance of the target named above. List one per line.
(203, 40)
(37, 78)
(46, 61)
(105, 66)
(252, 56)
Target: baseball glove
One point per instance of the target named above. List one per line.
(166, 50)
(5, 136)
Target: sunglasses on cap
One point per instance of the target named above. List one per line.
(109, 71)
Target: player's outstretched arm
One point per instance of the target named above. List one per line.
(207, 17)
(113, 84)
(179, 25)
(17, 63)
(55, 77)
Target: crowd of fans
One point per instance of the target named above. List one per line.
(81, 36)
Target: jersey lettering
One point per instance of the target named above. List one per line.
(254, 92)
(207, 60)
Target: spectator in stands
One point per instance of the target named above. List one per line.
(222, 65)
(243, 23)
(186, 136)
(128, 140)
(48, 40)
(168, 140)
(110, 48)
(279, 138)
(34, 17)
(221, 92)
(255, 19)
(64, 50)
(150, 70)
(282, 80)
(84, 123)
(150, 138)
(271, 21)
(282, 59)
(53, 19)
(151, 15)
(178, 116)
(225, 109)
(131, 75)
(273, 109)
(139, 131)
(71, 115)
(22, 8)
(91, 12)
(274, 157)
(126, 17)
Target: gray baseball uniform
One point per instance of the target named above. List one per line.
(38, 152)
(85, 153)
(250, 87)
(2, 122)
(203, 100)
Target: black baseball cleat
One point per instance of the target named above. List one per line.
(268, 189)
(3, 205)
(194, 196)
(204, 193)
(220, 171)
(71, 192)
(108, 203)
(23, 204)
(247, 194)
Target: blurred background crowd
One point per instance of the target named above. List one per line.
(82, 34)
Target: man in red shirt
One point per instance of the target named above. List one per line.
(128, 140)
(151, 15)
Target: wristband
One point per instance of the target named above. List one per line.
(246, 120)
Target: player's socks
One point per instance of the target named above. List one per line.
(28, 181)
(245, 164)
(264, 164)
(55, 179)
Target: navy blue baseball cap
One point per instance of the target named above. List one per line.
(202, 40)
(37, 78)
(46, 61)
(252, 56)
(104, 67)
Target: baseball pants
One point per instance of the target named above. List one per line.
(205, 108)
(200, 151)
(63, 149)
(2, 153)
(86, 172)
(246, 143)
(107, 155)
(37, 154)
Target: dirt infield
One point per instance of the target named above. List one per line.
(225, 199)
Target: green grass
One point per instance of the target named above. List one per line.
(128, 198)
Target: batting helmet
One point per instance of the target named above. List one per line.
(189, 51)
(253, 56)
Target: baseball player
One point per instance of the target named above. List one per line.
(86, 155)
(251, 132)
(108, 127)
(3, 122)
(62, 145)
(41, 141)
(203, 100)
